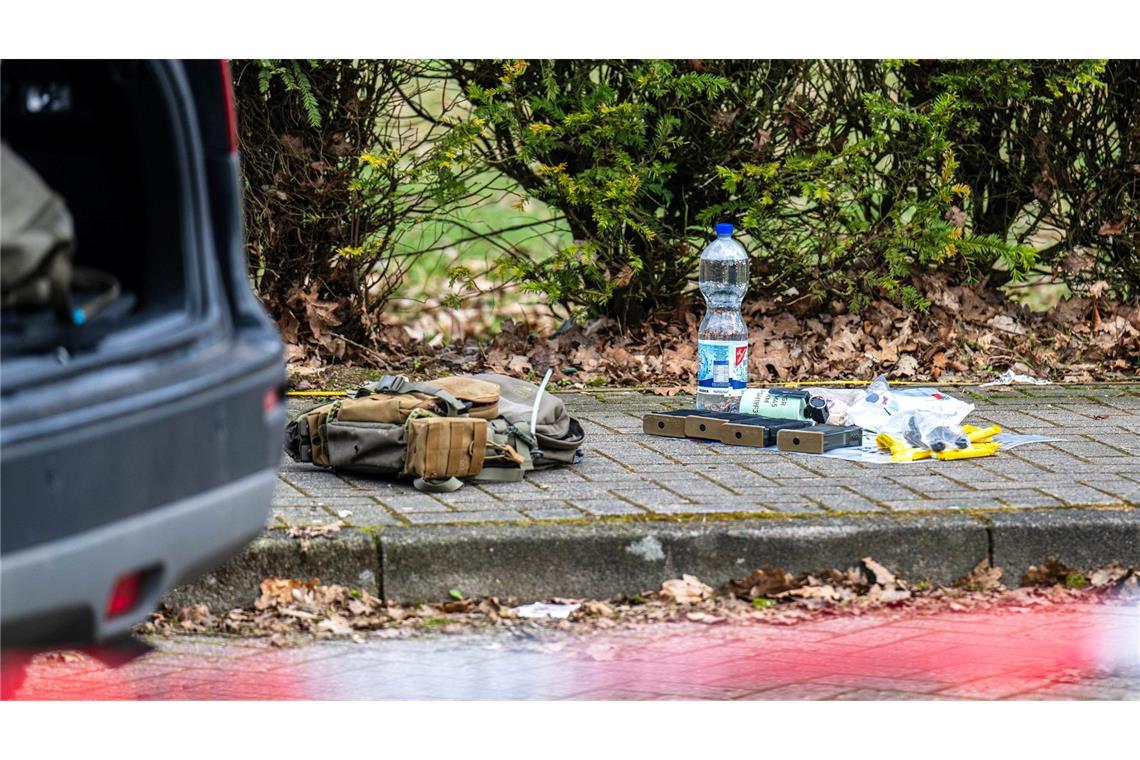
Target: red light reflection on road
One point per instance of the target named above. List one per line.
(1046, 651)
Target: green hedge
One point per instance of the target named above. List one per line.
(847, 176)
(337, 170)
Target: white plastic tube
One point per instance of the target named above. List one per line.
(538, 398)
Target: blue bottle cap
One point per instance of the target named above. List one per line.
(723, 228)
(78, 316)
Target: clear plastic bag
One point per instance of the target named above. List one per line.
(839, 402)
(880, 403)
(932, 431)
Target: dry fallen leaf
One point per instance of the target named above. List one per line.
(1047, 573)
(1005, 323)
(598, 608)
(1107, 576)
(335, 625)
(303, 533)
(907, 366)
(883, 576)
(1112, 228)
(765, 581)
(981, 578)
(276, 591)
(687, 589)
(887, 595)
(704, 617)
(826, 592)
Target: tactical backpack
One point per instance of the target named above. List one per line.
(483, 427)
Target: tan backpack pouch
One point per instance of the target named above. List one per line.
(315, 420)
(443, 447)
(483, 396)
(393, 409)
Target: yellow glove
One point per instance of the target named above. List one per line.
(900, 450)
(980, 435)
(971, 451)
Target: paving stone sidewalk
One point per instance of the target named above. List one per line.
(628, 474)
(639, 510)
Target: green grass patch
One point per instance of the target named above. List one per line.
(501, 219)
(1075, 581)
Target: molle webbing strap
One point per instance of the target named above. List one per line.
(501, 474)
(399, 384)
(455, 406)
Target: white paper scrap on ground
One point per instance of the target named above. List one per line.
(544, 610)
(1009, 377)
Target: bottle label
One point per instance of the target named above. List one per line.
(722, 366)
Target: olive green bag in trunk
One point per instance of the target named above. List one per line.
(483, 427)
(37, 243)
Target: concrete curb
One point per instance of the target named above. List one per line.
(348, 559)
(1079, 537)
(604, 559)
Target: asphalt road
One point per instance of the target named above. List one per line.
(1074, 650)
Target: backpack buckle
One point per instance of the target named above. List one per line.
(386, 384)
(392, 383)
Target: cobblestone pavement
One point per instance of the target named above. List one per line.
(628, 474)
(1071, 651)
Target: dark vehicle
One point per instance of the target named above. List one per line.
(139, 449)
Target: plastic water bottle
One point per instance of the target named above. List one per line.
(722, 343)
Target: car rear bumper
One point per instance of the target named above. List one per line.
(58, 584)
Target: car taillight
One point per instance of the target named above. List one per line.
(230, 105)
(125, 594)
(271, 400)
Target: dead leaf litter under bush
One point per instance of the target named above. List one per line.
(966, 334)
